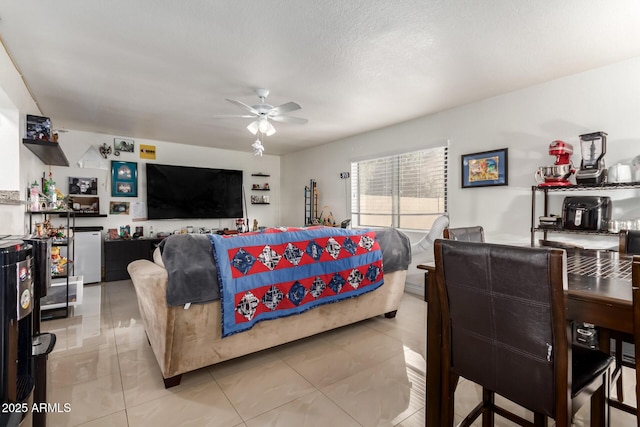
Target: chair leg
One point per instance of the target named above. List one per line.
(448, 397)
(637, 398)
(488, 398)
(619, 367)
(598, 411)
(539, 420)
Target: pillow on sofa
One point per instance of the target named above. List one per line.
(157, 257)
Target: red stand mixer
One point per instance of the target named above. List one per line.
(559, 173)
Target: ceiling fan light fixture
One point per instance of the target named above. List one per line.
(265, 127)
(253, 127)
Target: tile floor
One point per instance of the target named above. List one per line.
(368, 374)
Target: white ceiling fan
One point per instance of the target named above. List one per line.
(264, 113)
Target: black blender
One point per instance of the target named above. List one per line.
(592, 170)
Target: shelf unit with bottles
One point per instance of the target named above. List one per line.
(66, 289)
(545, 190)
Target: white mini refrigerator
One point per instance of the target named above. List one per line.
(88, 253)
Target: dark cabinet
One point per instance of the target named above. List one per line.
(119, 253)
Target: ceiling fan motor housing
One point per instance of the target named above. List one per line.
(262, 93)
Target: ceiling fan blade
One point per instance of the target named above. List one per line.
(243, 105)
(233, 116)
(284, 108)
(288, 119)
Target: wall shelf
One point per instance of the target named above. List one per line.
(259, 174)
(50, 153)
(87, 215)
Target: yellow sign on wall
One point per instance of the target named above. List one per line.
(147, 152)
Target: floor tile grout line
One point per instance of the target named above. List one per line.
(115, 341)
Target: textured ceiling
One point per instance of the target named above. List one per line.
(161, 69)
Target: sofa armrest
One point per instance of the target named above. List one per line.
(150, 283)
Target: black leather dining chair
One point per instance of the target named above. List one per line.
(504, 328)
(629, 244)
(635, 292)
(465, 234)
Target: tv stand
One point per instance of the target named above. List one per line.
(119, 253)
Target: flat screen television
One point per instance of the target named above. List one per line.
(190, 192)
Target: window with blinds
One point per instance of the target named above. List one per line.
(404, 191)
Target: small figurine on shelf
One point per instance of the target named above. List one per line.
(125, 232)
(50, 191)
(55, 254)
(112, 234)
(57, 234)
(46, 228)
(255, 225)
(58, 267)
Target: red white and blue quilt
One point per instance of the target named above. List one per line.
(281, 272)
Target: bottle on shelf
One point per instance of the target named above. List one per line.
(34, 197)
(151, 232)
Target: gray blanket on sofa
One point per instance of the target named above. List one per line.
(193, 277)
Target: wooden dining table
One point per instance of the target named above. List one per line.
(599, 292)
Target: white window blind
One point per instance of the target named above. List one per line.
(404, 191)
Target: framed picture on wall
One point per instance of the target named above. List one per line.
(83, 186)
(119, 208)
(485, 169)
(124, 179)
(123, 144)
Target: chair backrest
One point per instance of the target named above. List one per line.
(629, 242)
(503, 308)
(465, 234)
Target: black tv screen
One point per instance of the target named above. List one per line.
(190, 192)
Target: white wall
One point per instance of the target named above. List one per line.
(526, 121)
(15, 103)
(75, 143)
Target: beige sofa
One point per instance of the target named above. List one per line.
(184, 340)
